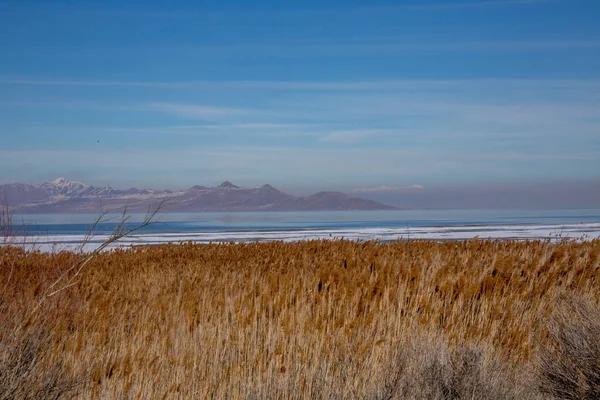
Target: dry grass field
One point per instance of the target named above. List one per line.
(320, 319)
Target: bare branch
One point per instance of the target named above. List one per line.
(65, 281)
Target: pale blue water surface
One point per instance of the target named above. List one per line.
(77, 224)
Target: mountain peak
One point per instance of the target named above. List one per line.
(227, 185)
(62, 182)
(64, 187)
(198, 187)
(268, 188)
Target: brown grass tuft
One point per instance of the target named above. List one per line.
(25, 370)
(569, 366)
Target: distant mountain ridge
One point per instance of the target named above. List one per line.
(67, 196)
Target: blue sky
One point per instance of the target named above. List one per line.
(305, 96)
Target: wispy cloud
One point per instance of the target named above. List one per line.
(474, 4)
(202, 111)
(577, 156)
(352, 136)
(253, 129)
(311, 85)
(508, 45)
(332, 49)
(256, 12)
(67, 82)
(388, 189)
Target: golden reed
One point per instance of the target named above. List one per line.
(297, 320)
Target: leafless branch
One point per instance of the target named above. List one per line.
(68, 279)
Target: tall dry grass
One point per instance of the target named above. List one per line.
(317, 319)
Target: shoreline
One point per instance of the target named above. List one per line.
(69, 242)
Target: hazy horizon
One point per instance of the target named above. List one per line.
(421, 104)
(543, 196)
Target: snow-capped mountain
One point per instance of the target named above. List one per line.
(68, 188)
(65, 196)
(65, 187)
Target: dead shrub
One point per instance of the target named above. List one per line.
(430, 369)
(569, 366)
(26, 371)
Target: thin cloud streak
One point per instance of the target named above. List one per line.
(474, 4)
(577, 156)
(172, 13)
(343, 49)
(202, 111)
(256, 130)
(354, 47)
(388, 189)
(352, 136)
(308, 85)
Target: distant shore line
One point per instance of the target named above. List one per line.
(580, 232)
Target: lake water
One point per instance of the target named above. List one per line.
(68, 230)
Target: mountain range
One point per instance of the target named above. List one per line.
(67, 196)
